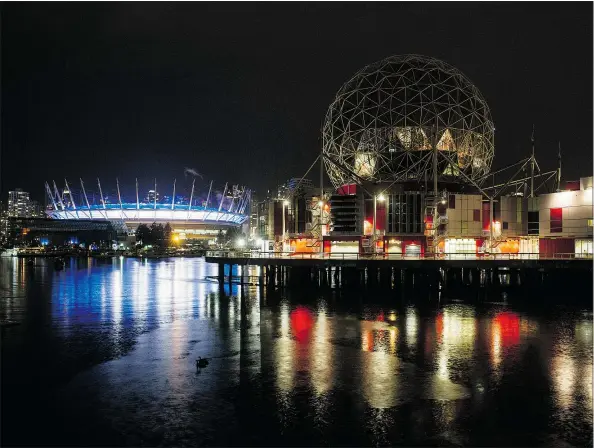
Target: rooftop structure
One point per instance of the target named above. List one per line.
(387, 120)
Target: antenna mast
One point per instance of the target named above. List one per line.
(532, 166)
(559, 169)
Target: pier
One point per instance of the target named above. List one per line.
(562, 272)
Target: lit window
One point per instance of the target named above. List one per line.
(556, 217)
(589, 223)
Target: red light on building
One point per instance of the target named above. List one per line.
(301, 323)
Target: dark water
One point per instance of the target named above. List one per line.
(105, 355)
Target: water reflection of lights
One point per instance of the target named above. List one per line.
(164, 290)
(380, 365)
(587, 384)
(583, 332)
(284, 318)
(321, 355)
(301, 324)
(564, 372)
(505, 331)
(116, 302)
(455, 335)
(411, 327)
(284, 356)
(496, 345)
(380, 379)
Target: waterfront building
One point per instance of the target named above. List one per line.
(20, 204)
(408, 144)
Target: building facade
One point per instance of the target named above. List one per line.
(20, 205)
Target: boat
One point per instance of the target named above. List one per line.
(9, 253)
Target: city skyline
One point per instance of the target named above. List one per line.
(86, 96)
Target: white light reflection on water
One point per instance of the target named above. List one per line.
(571, 369)
(164, 288)
(343, 361)
(321, 354)
(380, 376)
(285, 356)
(496, 347)
(564, 376)
(455, 335)
(411, 327)
(116, 302)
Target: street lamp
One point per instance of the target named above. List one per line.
(380, 197)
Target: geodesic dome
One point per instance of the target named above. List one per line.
(385, 121)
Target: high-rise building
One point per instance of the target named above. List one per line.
(150, 197)
(19, 204)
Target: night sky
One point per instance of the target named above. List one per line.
(238, 91)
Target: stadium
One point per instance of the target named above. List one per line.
(191, 214)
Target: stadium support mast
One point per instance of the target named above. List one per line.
(208, 195)
(223, 197)
(85, 193)
(155, 195)
(71, 198)
(101, 193)
(58, 195)
(173, 196)
(119, 196)
(191, 197)
(70, 193)
(49, 193)
(137, 199)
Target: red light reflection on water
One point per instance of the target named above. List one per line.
(507, 325)
(301, 323)
(439, 326)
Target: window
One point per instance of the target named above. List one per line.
(589, 223)
(533, 224)
(505, 225)
(452, 201)
(476, 215)
(556, 220)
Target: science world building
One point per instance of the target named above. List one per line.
(408, 144)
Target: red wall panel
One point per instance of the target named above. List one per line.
(550, 246)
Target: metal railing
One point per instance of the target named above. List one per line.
(389, 256)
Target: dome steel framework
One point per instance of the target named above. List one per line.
(389, 120)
